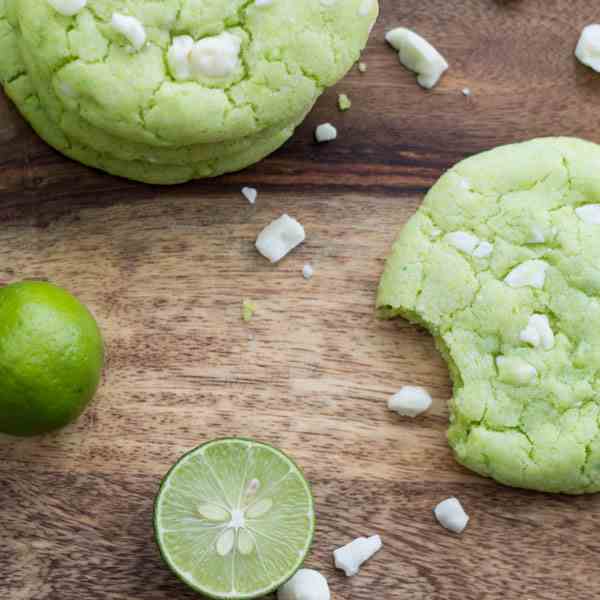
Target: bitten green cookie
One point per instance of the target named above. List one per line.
(176, 89)
(502, 265)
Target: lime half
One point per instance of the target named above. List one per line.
(234, 518)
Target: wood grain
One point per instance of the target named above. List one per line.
(165, 271)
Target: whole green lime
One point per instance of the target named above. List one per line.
(51, 358)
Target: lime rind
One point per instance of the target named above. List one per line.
(243, 559)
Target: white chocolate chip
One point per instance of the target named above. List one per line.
(588, 47)
(279, 238)
(483, 250)
(250, 194)
(306, 584)
(463, 241)
(366, 8)
(217, 56)
(515, 371)
(469, 244)
(451, 515)
(538, 332)
(410, 401)
(350, 557)
(307, 271)
(68, 8)
(418, 55)
(325, 132)
(537, 235)
(131, 28)
(531, 273)
(178, 57)
(589, 214)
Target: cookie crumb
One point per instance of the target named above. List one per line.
(344, 103)
(248, 310)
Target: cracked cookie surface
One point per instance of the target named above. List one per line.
(502, 265)
(125, 111)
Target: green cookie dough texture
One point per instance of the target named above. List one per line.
(502, 237)
(89, 95)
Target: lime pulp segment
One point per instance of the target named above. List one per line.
(234, 518)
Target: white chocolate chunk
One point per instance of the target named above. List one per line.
(531, 273)
(538, 332)
(418, 55)
(250, 194)
(589, 214)
(463, 241)
(366, 8)
(178, 57)
(217, 56)
(350, 557)
(410, 401)
(307, 271)
(537, 235)
(588, 47)
(325, 132)
(306, 584)
(68, 8)
(469, 244)
(451, 515)
(279, 238)
(483, 250)
(131, 28)
(515, 371)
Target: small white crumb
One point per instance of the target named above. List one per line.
(451, 515)
(131, 28)
(410, 401)
(325, 132)
(466, 91)
(68, 8)
(350, 557)
(279, 238)
(307, 271)
(306, 584)
(515, 370)
(531, 273)
(250, 194)
(538, 332)
(418, 55)
(589, 214)
(588, 47)
(362, 67)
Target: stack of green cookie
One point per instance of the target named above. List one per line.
(502, 265)
(171, 90)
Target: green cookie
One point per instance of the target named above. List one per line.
(502, 265)
(102, 96)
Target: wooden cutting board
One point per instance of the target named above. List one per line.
(165, 271)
